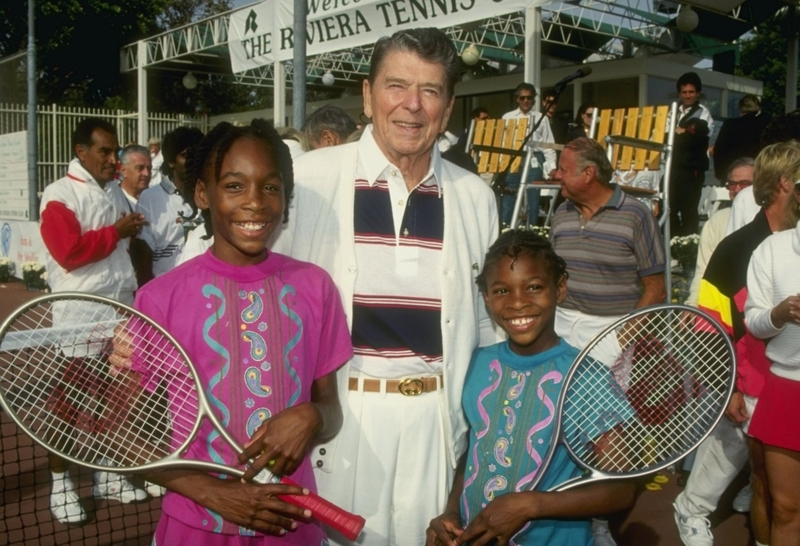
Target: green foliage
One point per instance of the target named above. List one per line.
(764, 58)
(78, 46)
(78, 43)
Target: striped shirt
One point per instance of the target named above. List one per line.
(397, 301)
(162, 206)
(608, 254)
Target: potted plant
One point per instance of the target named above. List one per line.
(684, 250)
(6, 269)
(34, 276)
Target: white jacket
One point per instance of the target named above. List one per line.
(320, 230)
(771, 278)
(543, 134)
(162, 206)
(108, 272)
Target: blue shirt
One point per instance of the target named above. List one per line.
(511, 402)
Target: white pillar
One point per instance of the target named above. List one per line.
(577, 96)
(533, 51)
(141, 77)
(279, 94)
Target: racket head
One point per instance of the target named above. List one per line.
(57, 385)
(644, 393)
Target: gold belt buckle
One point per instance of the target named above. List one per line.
(411, 387)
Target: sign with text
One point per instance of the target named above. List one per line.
(262, 34)
(21, 242)
(14, 176)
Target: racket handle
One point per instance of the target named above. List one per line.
(348, 524)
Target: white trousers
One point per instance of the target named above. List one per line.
(578, 329)
(390, 466)
(717, 462)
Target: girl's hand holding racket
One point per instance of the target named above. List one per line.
(500, 520)
(443, 530)
(282, 441)
(111, 385)
(250, 505)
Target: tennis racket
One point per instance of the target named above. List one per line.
(101, 385)
(643, 394)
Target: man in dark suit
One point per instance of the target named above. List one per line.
(558, 124)
(740, 137)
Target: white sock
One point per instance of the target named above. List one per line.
(759, 544)
(59, 481)
(597, 522)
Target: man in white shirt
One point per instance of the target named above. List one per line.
(135, 172)
(543, 162)
(164, 207)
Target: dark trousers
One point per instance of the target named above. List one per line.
(685, 189)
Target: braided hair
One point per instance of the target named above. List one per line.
(211, 152)
(514, 243)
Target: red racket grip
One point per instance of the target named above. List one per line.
(348, 524)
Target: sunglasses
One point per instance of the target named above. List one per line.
(740, 183)
(525, 97)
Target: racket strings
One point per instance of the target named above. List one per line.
(655, 386)
(58, 381)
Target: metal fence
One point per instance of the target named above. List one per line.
(56, 123)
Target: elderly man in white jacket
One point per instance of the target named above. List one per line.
(404, 234)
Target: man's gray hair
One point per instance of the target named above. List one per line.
(741, 162)
(124, 157)
(331, 118)
(154, 141)
(749, 104)
(431, 44)
(589, 152)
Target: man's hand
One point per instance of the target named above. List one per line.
(736, 410)
(443, 530)
(122, 349)
(130, 224)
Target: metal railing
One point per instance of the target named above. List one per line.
(56, 124)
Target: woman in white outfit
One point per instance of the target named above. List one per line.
(772, 312)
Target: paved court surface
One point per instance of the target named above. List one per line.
(25, 515)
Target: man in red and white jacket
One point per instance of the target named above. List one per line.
(87, 228)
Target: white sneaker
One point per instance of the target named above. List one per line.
(693, 530)
(112, 486)
(65, 503)
(742, 501)
(602, 536)
(154, 490)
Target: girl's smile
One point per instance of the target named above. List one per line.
(246, 203)
(522, 299)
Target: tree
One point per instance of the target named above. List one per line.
(182, 12)
(763, 58)
(78, 43)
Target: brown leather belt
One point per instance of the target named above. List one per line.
(410, 386)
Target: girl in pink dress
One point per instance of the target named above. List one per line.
(266, 333)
